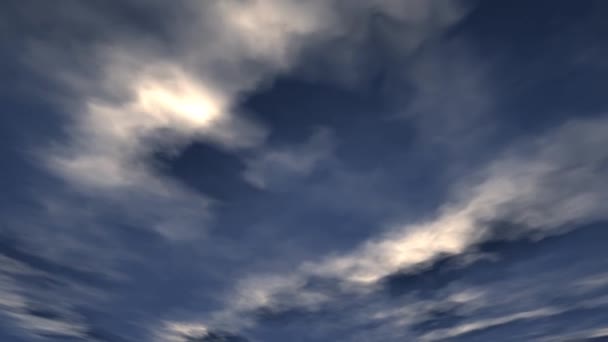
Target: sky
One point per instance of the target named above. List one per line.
(320, 170)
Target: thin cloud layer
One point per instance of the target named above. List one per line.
(281, 165)
(270, 170)
(514, 188)
(224, 51)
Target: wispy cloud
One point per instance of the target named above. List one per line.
(276, 166)
(142, 99)
(524, 186)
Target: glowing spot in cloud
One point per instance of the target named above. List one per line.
(227, 49)
(110, 137)
(179, 331)
(178, 101)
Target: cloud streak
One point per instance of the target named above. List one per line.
(524, 186)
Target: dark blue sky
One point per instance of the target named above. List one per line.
(283, 170)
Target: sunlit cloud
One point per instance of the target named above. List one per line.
(518, 192)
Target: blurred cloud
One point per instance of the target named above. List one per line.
(276, 166)
(131, 93)
(30, 287)
(520, 186)
(142, 99)
(439, 335)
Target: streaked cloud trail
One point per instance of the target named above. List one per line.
(332, 170)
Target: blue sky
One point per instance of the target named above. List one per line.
(324, 170)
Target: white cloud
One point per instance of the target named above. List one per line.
(166, 107)
(178, 331)
(557, 183)
(147, 100)
(591, 335)
(543, 184)
(487, 323)
(138, 98)
(150, 100)
(18, 301)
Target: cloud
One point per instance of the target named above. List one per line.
(132, 97)
(180, 332)
(109, 139)
(438, 335)
(192, 332)
(453, 95)
(597, 334)
(549, 186)
(276, 166)
(524, 185)
(29, 289)
(129, 94)
(140, 99)
(513, 293)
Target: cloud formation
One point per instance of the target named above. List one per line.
(146, 100)
(279, 165)
(534, 186)
(318, 237)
